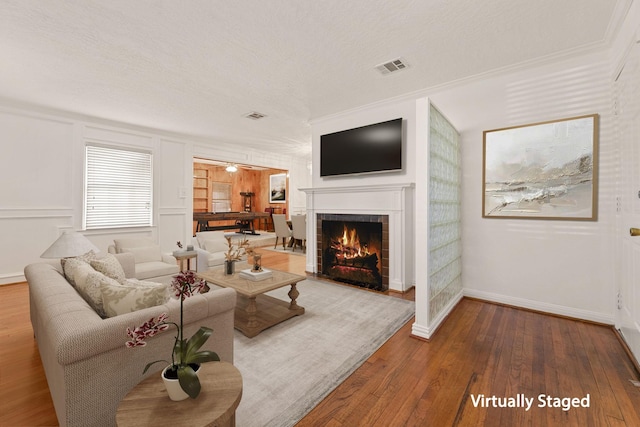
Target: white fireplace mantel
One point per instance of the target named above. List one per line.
(394, 200)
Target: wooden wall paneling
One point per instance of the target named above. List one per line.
(244, 180)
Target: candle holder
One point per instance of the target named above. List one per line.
(257, 263)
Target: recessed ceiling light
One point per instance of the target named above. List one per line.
(254, 115)
(392, 66)
(232, 168)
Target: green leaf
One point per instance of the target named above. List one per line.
(203, 357)
(146, 368)
(179, 352)
(198, 339)
(189, 381)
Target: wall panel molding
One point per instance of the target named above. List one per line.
(44, 212)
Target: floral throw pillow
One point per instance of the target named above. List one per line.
(109, 266)
(90, 289)
(70, 265)
(132, 295)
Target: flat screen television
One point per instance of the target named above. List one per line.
(367, 149)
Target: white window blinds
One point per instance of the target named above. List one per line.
(118, 188)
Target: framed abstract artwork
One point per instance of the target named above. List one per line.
(546, 170)
(278, 188)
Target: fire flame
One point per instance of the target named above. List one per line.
(349, 245)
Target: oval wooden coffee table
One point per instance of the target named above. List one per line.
(148, 403)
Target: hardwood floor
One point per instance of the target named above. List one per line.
(482, 349)
(491, 350)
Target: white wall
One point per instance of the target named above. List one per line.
(564, 267)
(42, 169)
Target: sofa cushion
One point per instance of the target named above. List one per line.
(80, 274)
(215, 245)
(132, 295)
(109, 266)
(202, 236)
(215, 259)
(90, 289)
(70, 265)
(132, 243)
(147, 270)
(145, 253)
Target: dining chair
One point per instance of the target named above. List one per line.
(299, 231)
(281, 228)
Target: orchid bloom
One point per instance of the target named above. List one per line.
(188, 285)
(147, 329)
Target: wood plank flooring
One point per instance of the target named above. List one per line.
(491, 350)
(482, 349)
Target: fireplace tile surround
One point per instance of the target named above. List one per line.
(391, 204)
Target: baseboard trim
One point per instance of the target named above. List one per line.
(627, 350)
(425, 333)
(11, 278)
(543, 307)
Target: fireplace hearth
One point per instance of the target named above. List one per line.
(353, 249)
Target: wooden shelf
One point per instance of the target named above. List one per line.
(201, 190)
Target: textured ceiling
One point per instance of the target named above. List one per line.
(198, 67)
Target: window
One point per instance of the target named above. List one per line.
(118, 188)
(221, 197)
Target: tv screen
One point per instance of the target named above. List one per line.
(372, 148)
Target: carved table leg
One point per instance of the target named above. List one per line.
(251, 310)
(293, 294)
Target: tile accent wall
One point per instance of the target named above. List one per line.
(444, 236)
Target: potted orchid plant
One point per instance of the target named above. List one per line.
(186, 356)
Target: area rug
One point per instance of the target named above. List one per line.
(288, 369)
(288, 251)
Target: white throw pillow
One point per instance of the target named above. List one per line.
(90, 289)
(109, 266)
(145, 253)
(214, 246)
(132, 295)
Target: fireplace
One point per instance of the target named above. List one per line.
(354, 249)
(390, 204)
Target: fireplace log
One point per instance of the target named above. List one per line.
(368, 262)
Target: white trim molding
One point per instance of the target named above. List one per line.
(544, 307)
(393, 200)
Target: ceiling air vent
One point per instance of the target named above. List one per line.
(255, 115)
(391, 66)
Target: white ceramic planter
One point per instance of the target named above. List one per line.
(173, 387)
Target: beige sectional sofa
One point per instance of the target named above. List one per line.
(88, 367)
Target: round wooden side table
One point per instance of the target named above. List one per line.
(148, 403)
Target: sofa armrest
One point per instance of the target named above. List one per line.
(202, 259)
(169, 259)
(195, 243)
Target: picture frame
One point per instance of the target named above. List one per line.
(278, 188)
(545, 170)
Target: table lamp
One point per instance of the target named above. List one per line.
(69, 244)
